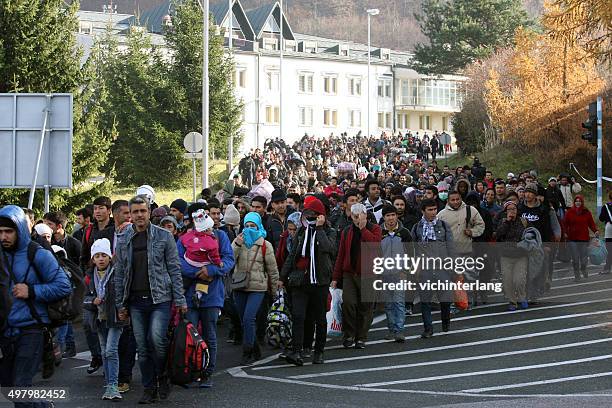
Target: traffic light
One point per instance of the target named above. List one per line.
(591, 125)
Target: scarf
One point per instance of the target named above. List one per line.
(429, 233)
(101, 281)
(309, 245)
(252, 234)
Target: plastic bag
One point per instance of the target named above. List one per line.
(597, 252)
(334, 316)
(461, 296)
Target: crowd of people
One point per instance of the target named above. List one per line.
(296, 220)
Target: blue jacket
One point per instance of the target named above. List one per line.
(216, 289)
(164, 267)
(54, 283)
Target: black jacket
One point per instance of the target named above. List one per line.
(325, 258)
(110, 309)
(72, 247)
(275, 228)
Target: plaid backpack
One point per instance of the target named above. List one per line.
(279, 322)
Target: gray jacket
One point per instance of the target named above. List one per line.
(163, 265)
(442, 248)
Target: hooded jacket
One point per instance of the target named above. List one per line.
(456, 220)
(578, 221)
(53, 284)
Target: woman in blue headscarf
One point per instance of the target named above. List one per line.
(254, 274)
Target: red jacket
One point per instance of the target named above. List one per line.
(371, 233)
(577, 223)
(329, 190)
(281, 251)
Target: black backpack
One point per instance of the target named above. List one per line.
(69, 307)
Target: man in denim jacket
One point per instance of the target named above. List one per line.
(147, 281)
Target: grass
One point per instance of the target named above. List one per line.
(217, 176)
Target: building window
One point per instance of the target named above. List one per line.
(310, 47)
(355, 118)
(330, 117)
(344, 51)
(305, 114)
(330, 84)
(444, 123)
(384, 88)
(289, 45)
(402, 121)
(381, 120)
(272, 115)
(425, 122)
(272, 80)
(305, 82)
(240, 79)
(388, 118)
(85, 27)
(270, 44)
(355, 86)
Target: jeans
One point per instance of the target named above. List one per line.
(248, 304)
(93, 343)
(310, 301)
(580, 256)
(21, 361)
(65, 337)
(150, 325)
(426, 313)
(109, 344)
(514, 272)
(395, 309)
(208, 316)
(127, 355)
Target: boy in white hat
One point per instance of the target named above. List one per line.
(102, 302)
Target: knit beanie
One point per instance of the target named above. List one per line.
(231, 215)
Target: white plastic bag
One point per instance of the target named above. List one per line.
(334, 316)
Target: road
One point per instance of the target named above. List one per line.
(555, 354)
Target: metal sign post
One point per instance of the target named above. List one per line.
(193, 143)
(599, 155)
(46, 112)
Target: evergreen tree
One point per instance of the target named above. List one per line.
(39, 53)
(464, 31)
(184, 41)
(146, 149)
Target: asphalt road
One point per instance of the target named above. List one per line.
(556, 354)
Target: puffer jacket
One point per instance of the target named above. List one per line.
(164, 267)
(53, 284)
(455, 219)
(325, 257)
(262, 267)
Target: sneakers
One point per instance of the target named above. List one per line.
(69, 352)
(164, 387)
(247, 356)
(360, 345)
(123, 387)
(445, 326)
(511, 307)
(348, 343)
(399, 338)
(409, 310)
(295, 358)
(524, 305)
(149, 396)
(318, 357)
(427, 333)
(206, 382)
(390, 336)
(112, 393)
(95, 365)
(307, 353)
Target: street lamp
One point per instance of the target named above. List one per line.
(205, 5)
(371, 12)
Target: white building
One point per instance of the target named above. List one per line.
(325, 83)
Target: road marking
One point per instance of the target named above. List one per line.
(542, 382)
(572, 285)
(486, 372)
(452, 360)
(448, 347)
(505, 313)
(238, 372)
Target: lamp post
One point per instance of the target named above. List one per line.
(280, 73)
(205, 90)
(371, 12)
(230, 147)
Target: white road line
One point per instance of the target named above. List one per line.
(452, 360)
(448, 347)
(572, 285)
(486, 372)
(506, 313)
(238, 372)
(542, 382)
(494, 326)
(540, 299)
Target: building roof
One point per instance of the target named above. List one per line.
(260, 15)
(153, 18)
(220, 10)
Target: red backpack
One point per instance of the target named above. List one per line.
(188, 356)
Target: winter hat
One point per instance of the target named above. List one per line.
(159, 212)
(202, 221)
(315, 205)
(552, 179)
(43, 229)
(508, 204)
(278, 195)
(510, 175)
(148, 191)
(103, 246)
(532, 187)
(294, 218)
(231, 216)
(169, 218)
(7, 223)
(179, 204)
